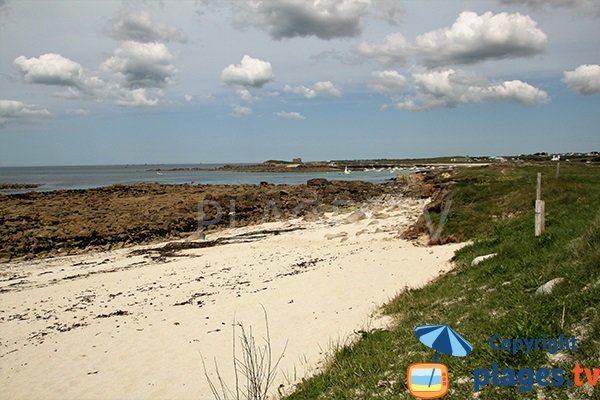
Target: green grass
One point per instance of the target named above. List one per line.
(494, 207)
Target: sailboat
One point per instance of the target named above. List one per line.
(347, 171)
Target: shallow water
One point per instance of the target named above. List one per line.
(85, 177)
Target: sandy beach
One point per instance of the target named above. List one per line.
(136, 322)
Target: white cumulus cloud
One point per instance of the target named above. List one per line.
(77, 111)
(245, 95)
(17, 111)
(322, 88)
(388, 82)
(139, 27)
(139, 65)
(290, 115)
(125, 78)
(325, 19)
(241, 111)
(394, 49)
(449, 88)
(585, 79)
(590, 7)
(49, 69)
(388, 10)
(471, 39)
(135, 98)
(250, 72)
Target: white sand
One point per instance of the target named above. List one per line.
(317, 293)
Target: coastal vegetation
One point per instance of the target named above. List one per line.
(493, 207)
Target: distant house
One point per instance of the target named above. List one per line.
(297, 160)
(556, 157)
(461, 159)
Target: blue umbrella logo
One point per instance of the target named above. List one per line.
(430, 380)
(443, 339)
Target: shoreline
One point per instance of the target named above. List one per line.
(42, 224)
(129, 323)
(17, 186)
(327, 167)
(291, 167)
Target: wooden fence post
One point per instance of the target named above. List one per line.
(539, 207)
(539, 217)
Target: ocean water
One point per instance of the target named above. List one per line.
(85, 177)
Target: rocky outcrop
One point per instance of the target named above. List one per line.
(11, 186)
(436, 185)
(59, 222)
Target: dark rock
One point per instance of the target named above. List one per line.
(39, 223)
(317, 182)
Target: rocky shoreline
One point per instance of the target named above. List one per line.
(264, 167)
(311, 166)
(73, 326)
(13, 186)
(40, 224)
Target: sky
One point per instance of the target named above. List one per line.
(209, 81)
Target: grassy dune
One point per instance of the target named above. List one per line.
(494, 207)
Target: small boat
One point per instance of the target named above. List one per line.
(347, 171)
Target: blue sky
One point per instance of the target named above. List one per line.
(243, 81)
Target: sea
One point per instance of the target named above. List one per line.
(86, 177)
